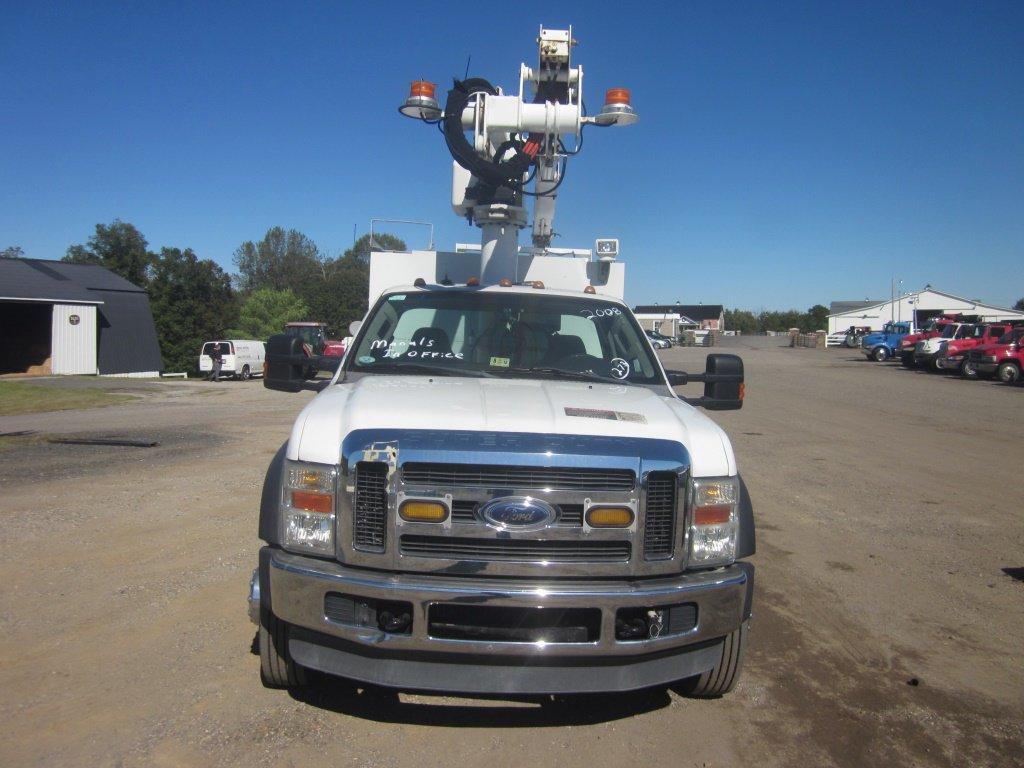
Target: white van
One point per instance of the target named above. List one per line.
(240, 358)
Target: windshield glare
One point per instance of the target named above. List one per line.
(504, 334)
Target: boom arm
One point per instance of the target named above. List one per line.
(507, 142)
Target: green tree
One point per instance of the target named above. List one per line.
(13, 252)
(264, 313)
(1019, 306)
(281, 260)
(381, 241)
(817, 318)
(341, 296)
(192, 302)
(119, 247)
(740, 320)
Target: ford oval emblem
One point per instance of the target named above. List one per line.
(520, 513)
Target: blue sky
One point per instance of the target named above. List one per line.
(787, 153)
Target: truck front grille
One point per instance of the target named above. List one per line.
(521, 550)
(484, 476)
(369, 525)
(660, 515)
(569, 515)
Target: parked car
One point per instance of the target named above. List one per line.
(954, 355)
(1000, 359)
(658, 341)
(881, 345)
(240, 358)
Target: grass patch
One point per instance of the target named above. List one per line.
(17, 398)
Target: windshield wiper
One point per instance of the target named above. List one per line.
(562, 373)
(439, 370)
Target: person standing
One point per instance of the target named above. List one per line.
(218, 360)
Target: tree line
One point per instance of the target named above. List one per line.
(814, 319)
(282, 277)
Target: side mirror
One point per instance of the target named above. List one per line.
(354, 326)
(723, 383)
(286, 365)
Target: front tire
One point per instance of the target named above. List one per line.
(880, 354)
(1008, 373)
(722, 677)
(968, 371)
(907, 360)
(277, 668)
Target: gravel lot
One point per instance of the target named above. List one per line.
(886, 631)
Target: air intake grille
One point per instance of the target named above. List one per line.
(516, 549)
(369, 532)
(660, 516)
(484, 476)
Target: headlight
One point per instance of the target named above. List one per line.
(714, 521)
(308, 493)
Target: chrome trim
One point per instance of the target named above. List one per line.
(396, 447)
(299, 584)
(495, 513)
(254, 597)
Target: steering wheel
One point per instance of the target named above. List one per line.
(584, 363)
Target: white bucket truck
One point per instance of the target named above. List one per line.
(499, 490)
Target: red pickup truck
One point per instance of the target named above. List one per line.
(1001, 359)
(954, 355)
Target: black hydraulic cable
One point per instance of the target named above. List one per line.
(492, 174)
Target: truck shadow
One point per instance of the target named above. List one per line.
(384, 705)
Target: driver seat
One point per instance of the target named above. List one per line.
(430, 339)
(563, 347)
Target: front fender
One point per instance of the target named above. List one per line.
(745, 538)
(270, 499)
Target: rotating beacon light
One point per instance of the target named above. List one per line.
(617, 110)
(421, 102)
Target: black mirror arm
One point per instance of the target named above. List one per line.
(681, 378)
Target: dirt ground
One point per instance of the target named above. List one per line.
(885, 631)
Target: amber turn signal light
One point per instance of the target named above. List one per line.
(715, 515)
(609, 517)
(312, 502)
(423, 512)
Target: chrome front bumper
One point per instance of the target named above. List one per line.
(295, 588)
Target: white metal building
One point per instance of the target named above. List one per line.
(918, 307)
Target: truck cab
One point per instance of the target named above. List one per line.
(1000, 358)
(499, 491)
(909, 342)
(926, 351)
(954, 354)
(881, 345)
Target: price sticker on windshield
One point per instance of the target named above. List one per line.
(500, 362)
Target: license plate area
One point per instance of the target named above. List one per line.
(447, 621)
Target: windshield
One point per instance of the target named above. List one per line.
(477, 333)
(948, 332)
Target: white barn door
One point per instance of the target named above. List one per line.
(73, 342)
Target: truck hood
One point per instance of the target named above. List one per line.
(505, 405)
